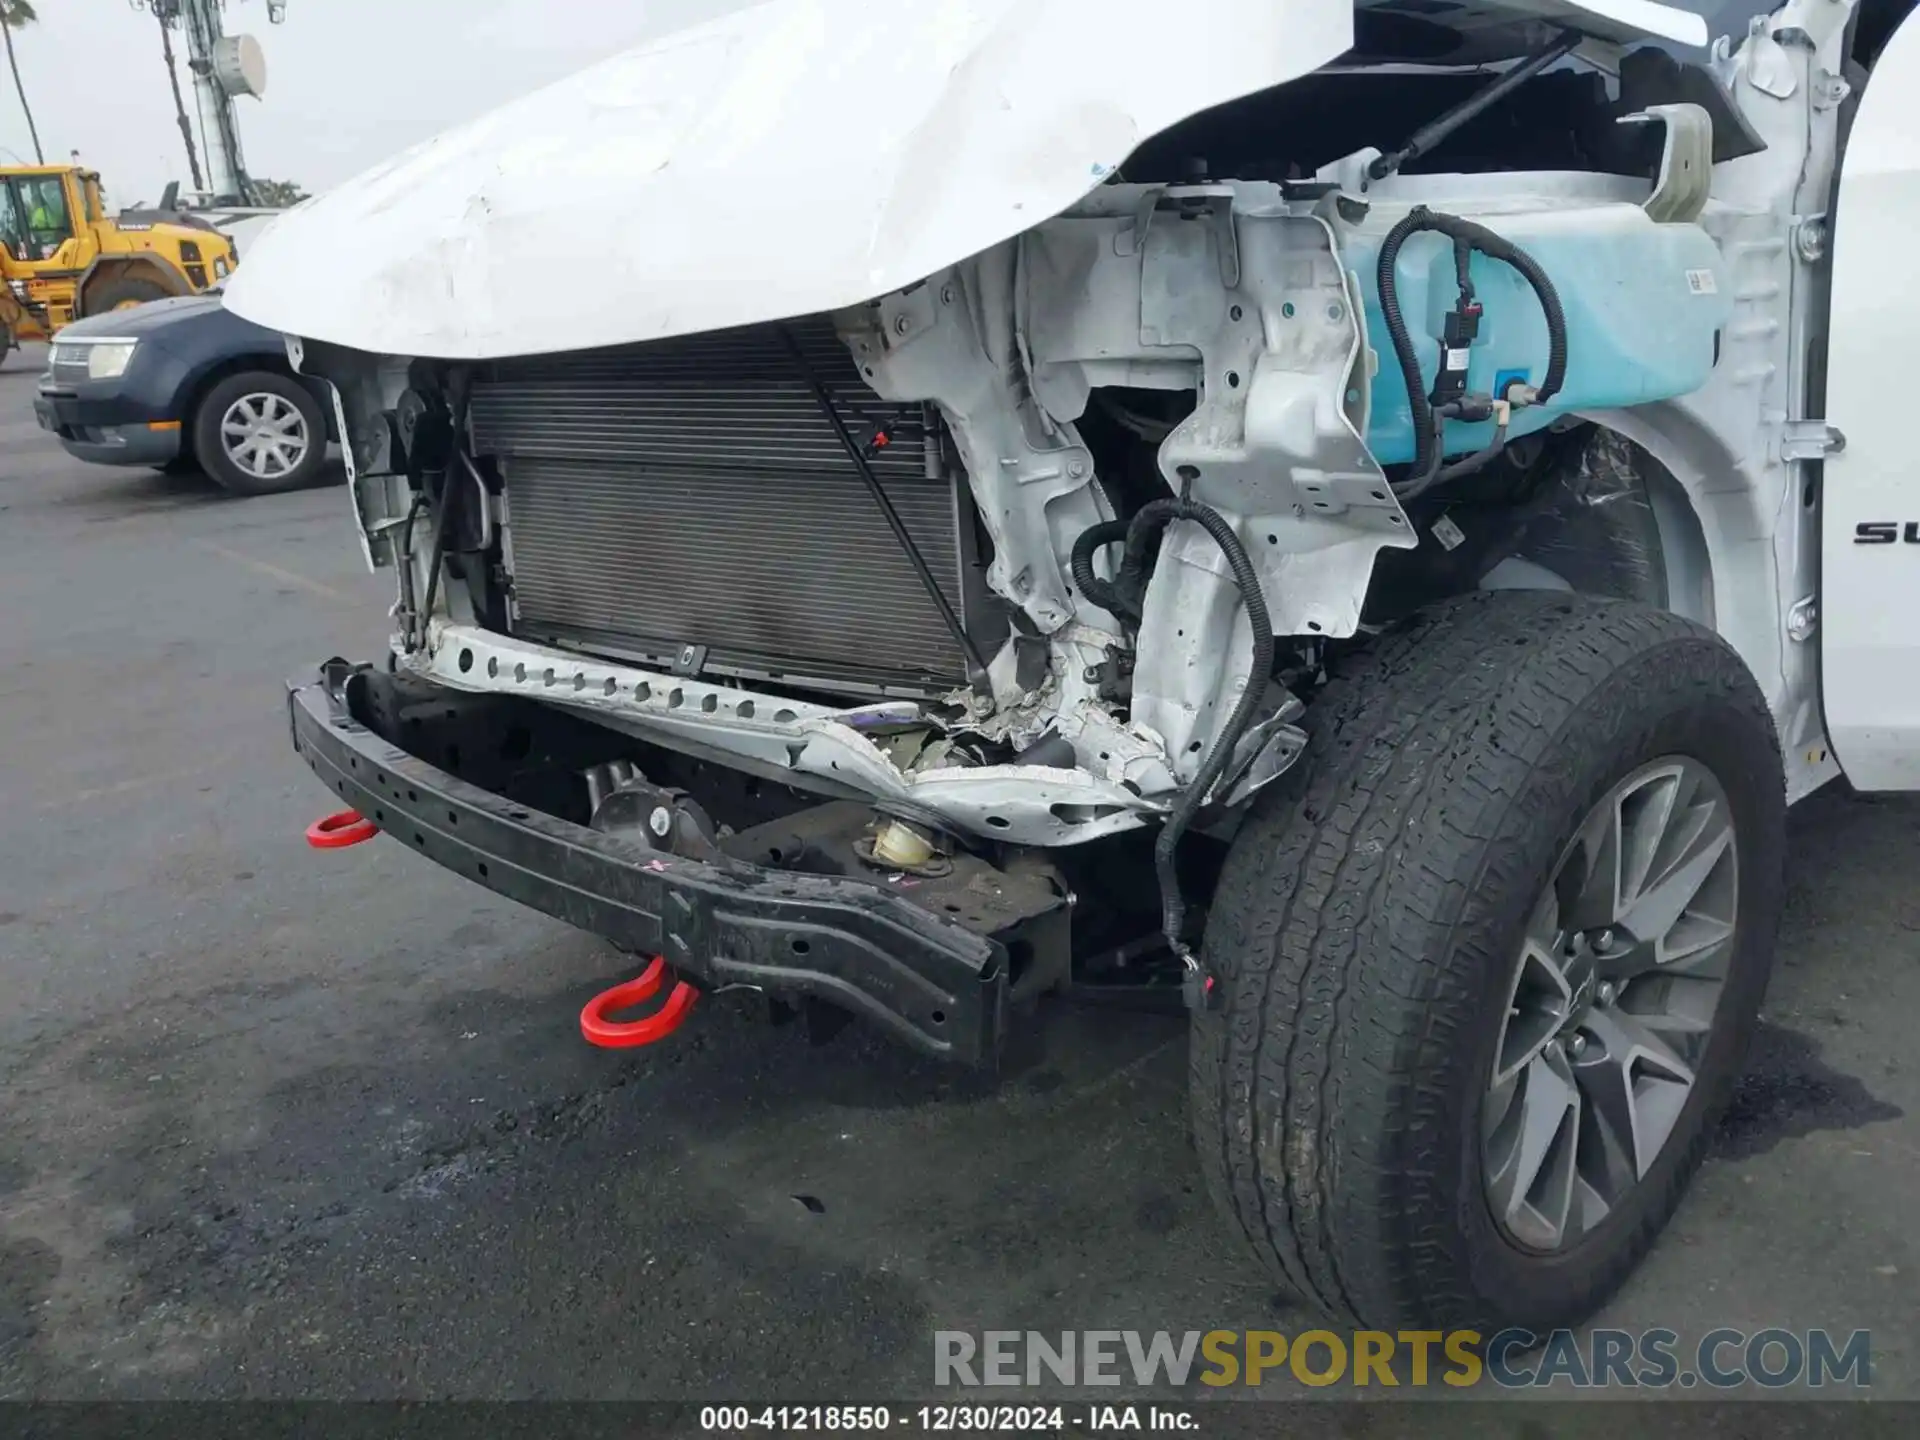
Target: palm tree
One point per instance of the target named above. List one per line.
(17, 15)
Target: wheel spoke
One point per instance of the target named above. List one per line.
(1535, 1010)
(1590, 1206)
(1684, 1034)
(1627, 1037)
(1497, 1111)
(1614, 1156)
(1686, 836)
(1705, 951)
(1653, 1077)
(1532, 1178)
(1655, 913)
(1588, 886)
(1643, 815)
(1609, 1162)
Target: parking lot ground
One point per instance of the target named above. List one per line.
(280, 1122)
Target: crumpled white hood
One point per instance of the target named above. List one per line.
(786, 159)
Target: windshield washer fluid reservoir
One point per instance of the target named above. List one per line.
(1644, 302)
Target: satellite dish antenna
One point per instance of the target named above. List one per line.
(240, 65)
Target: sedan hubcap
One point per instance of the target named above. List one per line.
(1611, 1004)
(265, 435)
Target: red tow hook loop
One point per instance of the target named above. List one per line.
(623, 1034)
(336, 832)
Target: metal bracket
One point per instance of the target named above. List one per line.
(484, 505)
(1829, 89)
(1134, 240)
(1686, 161)
(691, 660)
(1216, 200)
(1810, 440)
(1264, 753)
(1810, 238)
(1769, 70)
(906, 313)
(1803, 620)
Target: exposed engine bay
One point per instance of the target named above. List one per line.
(1052, 543)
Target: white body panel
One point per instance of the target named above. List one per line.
(1870, 531)
(795, 157)
(791, 158)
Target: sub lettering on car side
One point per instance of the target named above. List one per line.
(1885, 532)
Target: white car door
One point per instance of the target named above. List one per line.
(1870, 516)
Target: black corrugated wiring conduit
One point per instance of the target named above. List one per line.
(1106, 596)
(1124, 597)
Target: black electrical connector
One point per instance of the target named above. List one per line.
(1458, 330)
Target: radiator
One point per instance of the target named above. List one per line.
(687, 496)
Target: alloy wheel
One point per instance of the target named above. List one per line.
(1612, 1003)
(265, 435)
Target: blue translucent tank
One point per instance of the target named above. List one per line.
(1644, 305)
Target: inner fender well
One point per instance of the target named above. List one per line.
(1612, 520)
(1595, 513)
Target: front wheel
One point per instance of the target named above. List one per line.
(1488, 960)
(257, 433)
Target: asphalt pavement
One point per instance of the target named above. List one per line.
(279, 1122)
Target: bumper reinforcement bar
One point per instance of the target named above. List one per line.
(928, 982)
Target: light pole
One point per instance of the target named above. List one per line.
(224, 66)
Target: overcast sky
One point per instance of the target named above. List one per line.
(348, 81)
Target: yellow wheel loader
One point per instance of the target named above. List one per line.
(62, 257)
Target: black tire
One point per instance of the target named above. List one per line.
(209, 448)
(114, 294)
(1365, 926)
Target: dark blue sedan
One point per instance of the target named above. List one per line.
(185, 383)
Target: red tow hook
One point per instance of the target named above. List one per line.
(624, 1034)
(336, 832)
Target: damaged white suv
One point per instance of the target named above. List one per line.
(1308, 510)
